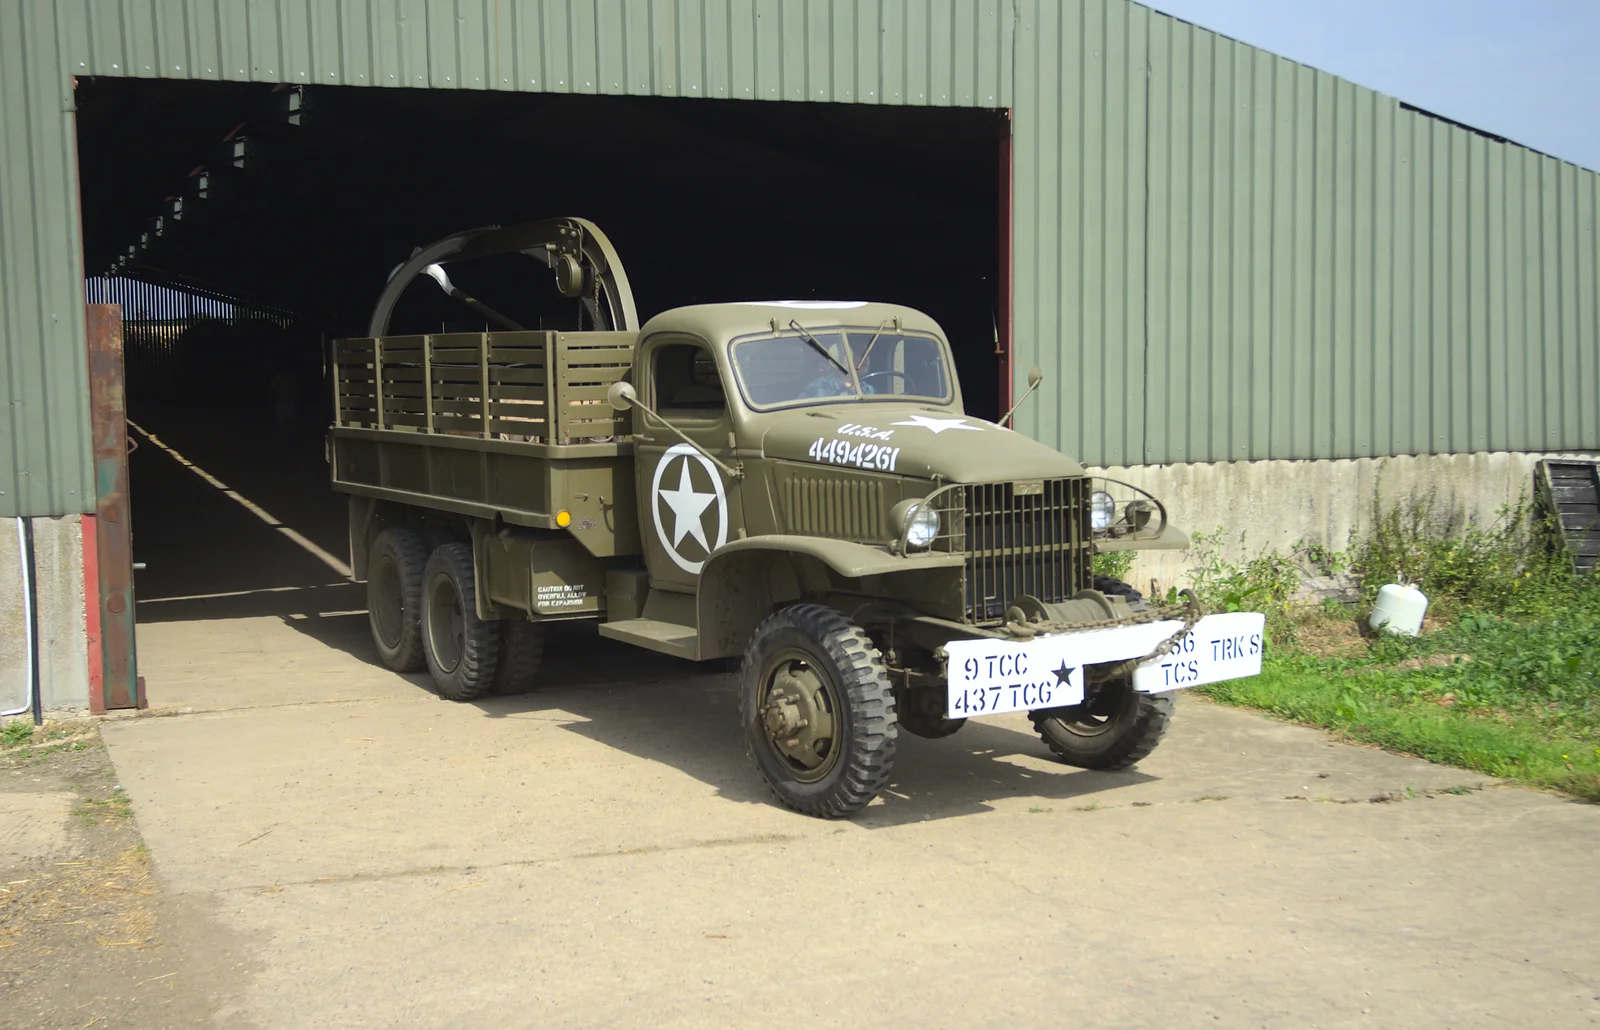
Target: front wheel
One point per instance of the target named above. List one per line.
(818, 711)
(1115, 729)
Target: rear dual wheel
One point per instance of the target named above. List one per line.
(521, 656)
(422, 611)
(462, 650)
(394, 598)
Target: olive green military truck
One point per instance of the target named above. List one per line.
(791, 483)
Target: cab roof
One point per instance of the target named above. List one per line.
(719, 323)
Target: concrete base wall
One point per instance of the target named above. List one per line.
(1264, 506)
(63, 637)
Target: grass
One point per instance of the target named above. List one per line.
(1496, 743)
(1505, 679)
(117, 806)
(25, 741)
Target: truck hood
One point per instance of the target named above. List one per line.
(924, 442)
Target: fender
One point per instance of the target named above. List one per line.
(1171, 538)
(850, 560)
(739, 587)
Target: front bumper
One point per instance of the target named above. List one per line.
(991, 676)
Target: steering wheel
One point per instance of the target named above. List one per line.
(911, 386)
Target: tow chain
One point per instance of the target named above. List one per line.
(1192, 612)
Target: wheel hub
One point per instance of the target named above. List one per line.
(797, 714)
(446, 624)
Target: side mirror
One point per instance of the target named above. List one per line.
(620, 395)
(1035, 377)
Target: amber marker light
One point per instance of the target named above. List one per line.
(563, 519)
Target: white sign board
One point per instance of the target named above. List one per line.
(990, 676)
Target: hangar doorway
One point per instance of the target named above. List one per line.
(291, 207)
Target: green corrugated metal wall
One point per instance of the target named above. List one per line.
(1220, 254)
(45, 462)
(1225, 255)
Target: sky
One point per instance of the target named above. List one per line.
(1528, 70)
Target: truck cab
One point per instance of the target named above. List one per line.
(795, 484)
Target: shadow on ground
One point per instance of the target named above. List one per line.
(195, 541)
(208, 557)
(685, 715)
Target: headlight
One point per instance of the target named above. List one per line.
(922, 525)
(1102, 510)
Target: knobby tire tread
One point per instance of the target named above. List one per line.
(521, 656)
(1132, 747)
(870, 698)
(410, 559)
(480, 643)
(1113, 587)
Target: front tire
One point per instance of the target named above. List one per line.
(1113, 587)
(394, 598)
(1117, 728)
(462, 649)
(818, 711)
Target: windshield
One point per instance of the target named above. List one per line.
(849, 363)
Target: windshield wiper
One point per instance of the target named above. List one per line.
(874, 341)
(806, 336)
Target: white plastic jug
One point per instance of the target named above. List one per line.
(1399, 609)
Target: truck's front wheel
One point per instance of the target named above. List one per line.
(462, 649)
(1113, 730)
(818, 711)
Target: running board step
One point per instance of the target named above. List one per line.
(667, 637)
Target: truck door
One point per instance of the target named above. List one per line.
(688, 506)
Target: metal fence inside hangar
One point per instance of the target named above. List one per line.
(163, 322)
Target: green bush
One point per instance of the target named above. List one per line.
(1505, 567)
(1266, 584)
(1116, 564)
(1506, 680)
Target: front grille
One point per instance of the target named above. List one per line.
(839, 505)
(1027, 543)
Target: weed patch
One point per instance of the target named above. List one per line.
(21, 740)
(1116, 564)
(96, 810)
(16, 733)
(1504, 679)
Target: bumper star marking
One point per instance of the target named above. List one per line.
(688, 505)
(938, 425)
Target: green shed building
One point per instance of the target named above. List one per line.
(1248, 282)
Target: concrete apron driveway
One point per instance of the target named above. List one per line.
(602, 853)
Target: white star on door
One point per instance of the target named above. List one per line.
(688, 507)
(938, 425)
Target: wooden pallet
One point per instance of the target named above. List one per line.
(1569, 492)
